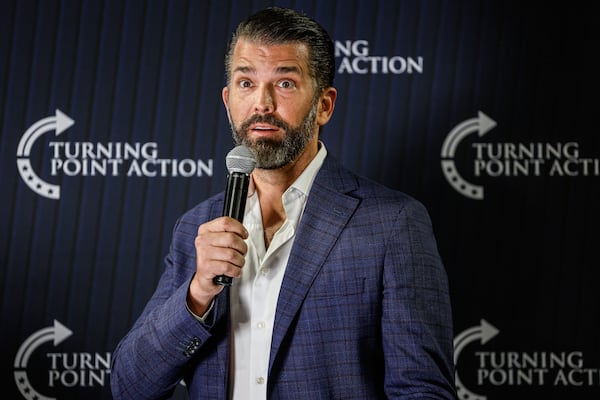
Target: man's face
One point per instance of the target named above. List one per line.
(271, 102)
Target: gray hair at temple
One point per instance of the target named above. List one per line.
(276, 25)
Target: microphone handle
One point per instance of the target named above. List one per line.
(234, 207)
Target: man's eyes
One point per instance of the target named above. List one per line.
(283, 84)
(286, 84)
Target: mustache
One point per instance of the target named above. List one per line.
(266, 119)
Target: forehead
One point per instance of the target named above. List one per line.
(259, 54)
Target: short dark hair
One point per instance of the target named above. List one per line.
(276, 25)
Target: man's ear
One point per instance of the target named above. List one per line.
(326, 105)
(225, 97)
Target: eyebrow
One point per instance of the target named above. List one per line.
(290, 69)
(280, 70)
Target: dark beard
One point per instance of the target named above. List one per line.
(272, 154)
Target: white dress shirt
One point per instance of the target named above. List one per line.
(254, 295)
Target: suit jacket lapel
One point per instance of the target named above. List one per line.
(327, 211)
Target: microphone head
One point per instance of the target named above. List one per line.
(240, 159)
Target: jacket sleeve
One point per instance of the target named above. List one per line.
(166, 339)
(416, 316)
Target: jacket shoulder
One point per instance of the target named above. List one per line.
(352, 184)
(186, 226)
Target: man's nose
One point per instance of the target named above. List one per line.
(265, 101)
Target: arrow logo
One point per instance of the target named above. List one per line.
(481, 125)
(484, 333)
(56, 334)
(57, 123)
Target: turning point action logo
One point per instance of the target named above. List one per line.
(495, 160)
(64, 369)
(58, 123)
(138, 159)
(501, 368)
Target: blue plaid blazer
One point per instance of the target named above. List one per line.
(363, 312)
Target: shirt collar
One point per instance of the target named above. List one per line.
(307, 177)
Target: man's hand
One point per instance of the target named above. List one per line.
(220, 250)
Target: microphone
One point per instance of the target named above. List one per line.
(240, 163)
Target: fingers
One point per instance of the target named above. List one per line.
(220, 250)
(224, 224)
(220, 245)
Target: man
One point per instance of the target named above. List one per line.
(339, 291)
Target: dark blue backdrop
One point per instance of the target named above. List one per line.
(523, 258)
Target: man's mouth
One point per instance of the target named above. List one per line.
(264, 130)
(263, 127)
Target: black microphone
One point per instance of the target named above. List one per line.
(240, 163)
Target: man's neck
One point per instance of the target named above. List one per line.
(270, 184)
